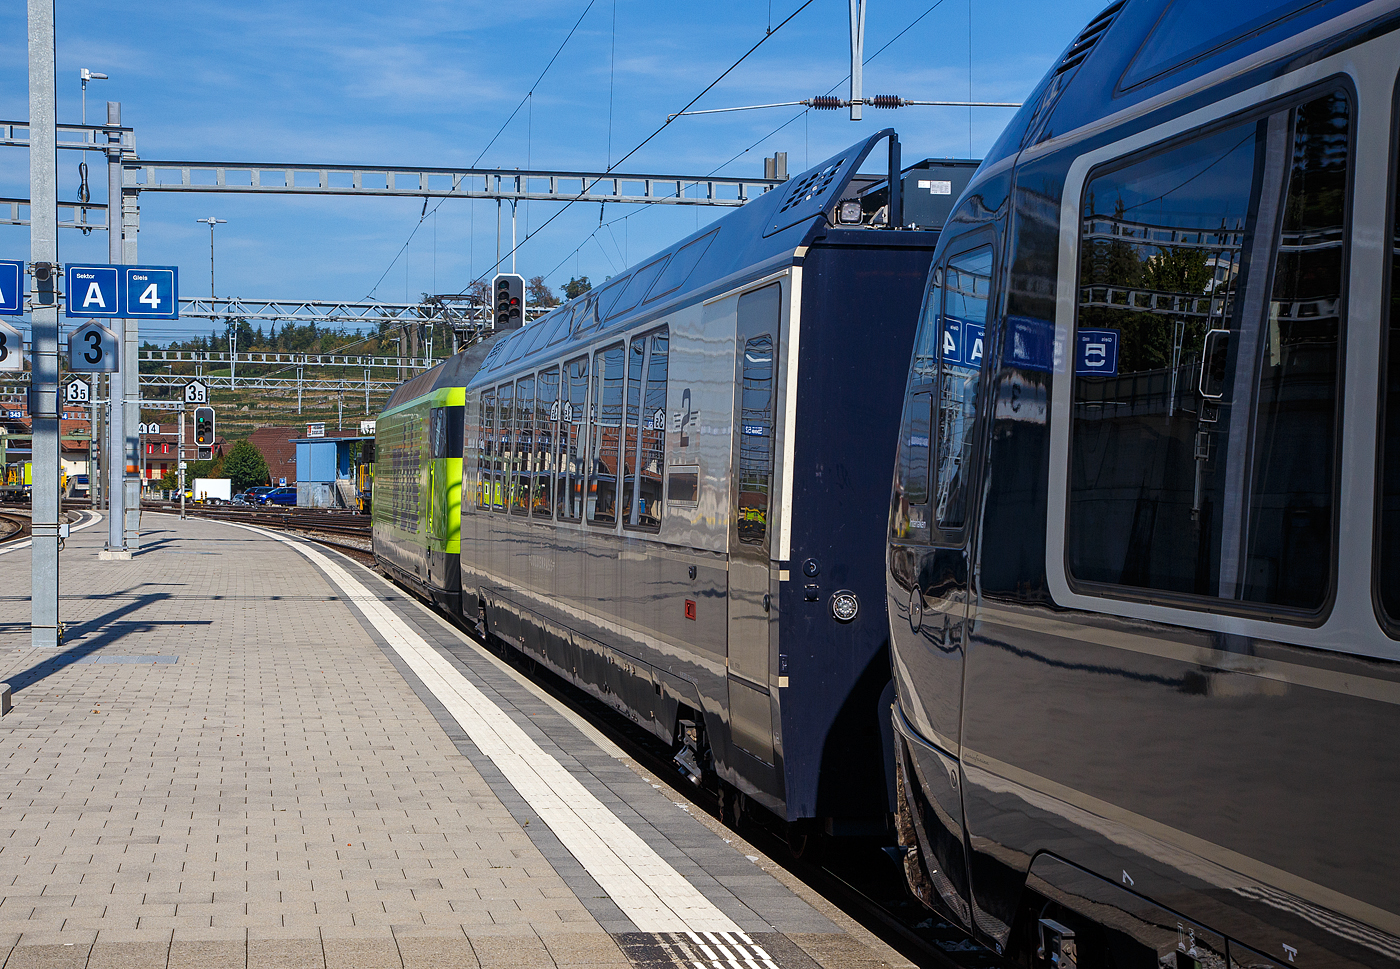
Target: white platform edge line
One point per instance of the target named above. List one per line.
(655, 896)
(92, 518)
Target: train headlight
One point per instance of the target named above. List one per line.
(848, 213)
(844, 606)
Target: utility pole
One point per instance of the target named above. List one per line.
(213, 222)
(857, 54)
(180, 459)
(130, 378)
(117, 497)
(43, 258)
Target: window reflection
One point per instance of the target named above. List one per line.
(1205, 363)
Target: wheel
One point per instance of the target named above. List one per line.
(804, 841)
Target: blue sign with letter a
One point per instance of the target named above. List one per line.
(92, 292)
(1096, 353)
(11, 287)
(962, 342)
(151, 293)
(130, 292)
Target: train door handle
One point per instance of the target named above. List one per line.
(767, 602)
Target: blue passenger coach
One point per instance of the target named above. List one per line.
(1144, 555)
(673, 492)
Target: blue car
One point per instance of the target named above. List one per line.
(279, 496)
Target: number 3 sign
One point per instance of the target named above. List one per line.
(92, 348)
(11, 348)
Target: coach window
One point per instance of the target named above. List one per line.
(505, 446)
(546, 442)
(524, 445)
(604, 435)
(651, 447)
(573, 425)
(756, 438)
(486, 449)
(636, 360)
(1204, 447)
(961, 328)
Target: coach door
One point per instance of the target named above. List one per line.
(750, 529)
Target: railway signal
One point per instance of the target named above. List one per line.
(204, 432)
(510, 300)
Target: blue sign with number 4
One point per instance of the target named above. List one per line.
(11, 287)
(123, 292)
(150, 293)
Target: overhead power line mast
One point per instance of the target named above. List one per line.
(857, 55)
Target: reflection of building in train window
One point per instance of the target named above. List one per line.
(573, 426)
(1203, 442)
(605, 437)
(756, 439)
(546, 440)
(961, 333)
(524, 445)
(646, 429)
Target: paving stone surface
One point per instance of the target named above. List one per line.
(284, 794)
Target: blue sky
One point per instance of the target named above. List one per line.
(431, 83)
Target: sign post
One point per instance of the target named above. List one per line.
(118, 293)
(180, 457)
(43, 388)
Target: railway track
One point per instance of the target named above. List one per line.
(323, 526)
(14, 526)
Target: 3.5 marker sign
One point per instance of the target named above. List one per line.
(123, 292)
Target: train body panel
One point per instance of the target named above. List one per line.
(1145, 672)
(644, 467)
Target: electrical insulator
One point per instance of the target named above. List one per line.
(885, 101)
(827, 102)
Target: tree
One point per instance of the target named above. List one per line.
(540, 294)
(576, 287)
(245, 466)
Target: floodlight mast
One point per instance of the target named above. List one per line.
(86, 75)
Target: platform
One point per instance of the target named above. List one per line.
(252, 751)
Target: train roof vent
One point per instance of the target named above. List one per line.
(813, 184)
(1088, 37)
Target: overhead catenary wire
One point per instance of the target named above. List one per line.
(803, 115)
(640, 145)
(528, 95)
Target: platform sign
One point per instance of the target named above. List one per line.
(1096, 353)
(196, 392)
(151, 293)
(130, 292)
(1030, 344)
(92, 348)
(92, 291)
(962, 342)
(77, 391)
(11, 348)
(11, 287)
